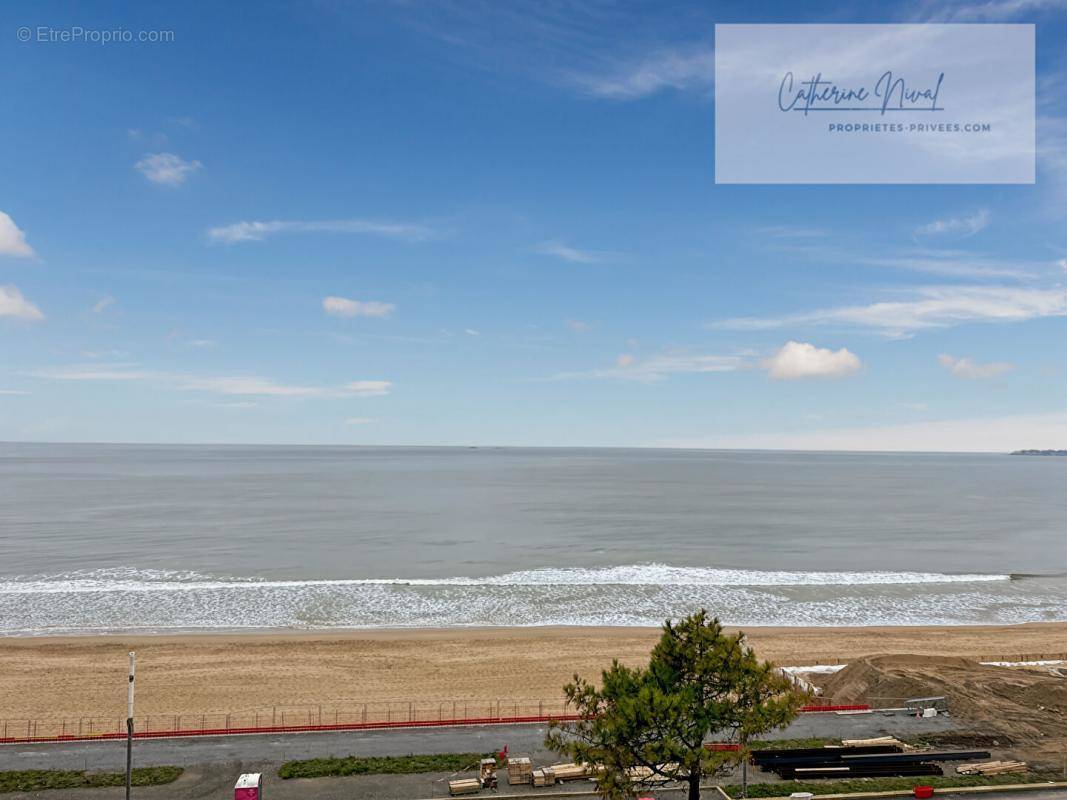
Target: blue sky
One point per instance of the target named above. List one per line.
(493, 223)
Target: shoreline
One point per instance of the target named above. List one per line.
(80, 676)
(260, 634)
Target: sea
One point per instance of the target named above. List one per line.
(138, 538)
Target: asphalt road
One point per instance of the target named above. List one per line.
(273, 749)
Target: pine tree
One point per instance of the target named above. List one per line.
(647, 724)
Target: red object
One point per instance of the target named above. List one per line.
(504, 753)
(923, 792)
(817, 709)
(723, 746)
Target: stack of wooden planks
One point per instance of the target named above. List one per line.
(992, 768)
(569, 772)
(543, 777)
(464, 786)
(520, 771)
(891, 741)
(651, 777)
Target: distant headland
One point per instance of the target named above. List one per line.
(1040, 453)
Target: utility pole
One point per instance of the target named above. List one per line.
(129, 726)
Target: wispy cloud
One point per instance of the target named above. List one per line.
(924, 308)
(796, 360)
(672, 68)
(598, 48)
(345, 307)
(791, 232)
(581, 326)
(167, 169)
(565, 252)
(656, 368)
(12, 239)
(13, 304)
(256, 231)
(958, 227)
(948, 262)
(972, 370)
(102, 305)
(360, 421)
(990, 11)
(228, 385)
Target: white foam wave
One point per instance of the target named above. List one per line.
(133, 580)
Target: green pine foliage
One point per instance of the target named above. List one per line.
(700, 682)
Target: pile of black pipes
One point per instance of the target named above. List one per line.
(874, 761)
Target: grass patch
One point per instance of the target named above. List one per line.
(36, 780)
(786, 788)
(380, 765)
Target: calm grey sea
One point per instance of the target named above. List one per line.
(117, 537)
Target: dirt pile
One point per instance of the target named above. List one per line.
(1027, 708)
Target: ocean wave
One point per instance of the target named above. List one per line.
(651, 575)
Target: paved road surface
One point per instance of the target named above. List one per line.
(276, 748)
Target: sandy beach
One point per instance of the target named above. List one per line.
(237, 672)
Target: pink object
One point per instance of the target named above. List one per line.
(247, 787)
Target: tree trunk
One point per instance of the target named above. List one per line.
(694, 784)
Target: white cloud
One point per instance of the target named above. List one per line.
(565, 252)
(580, 326)
(472, 332)
(255, 231)
(344, 307)
(972, 370)
(96, 372)
(960, 227)
(803, 360)
(926, 308)
(360, 421)
(368, 388)
(12, 392)
(249, 386)
(989, 11)
(166, 169)
(977, 435)
(674, 68)
(227, 385)
(12, 240)
(1062, 264)
(13, 304)
(656, 368)
(101, 305)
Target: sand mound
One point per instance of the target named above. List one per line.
(1025, 707)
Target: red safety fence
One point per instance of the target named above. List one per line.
(367, 716)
